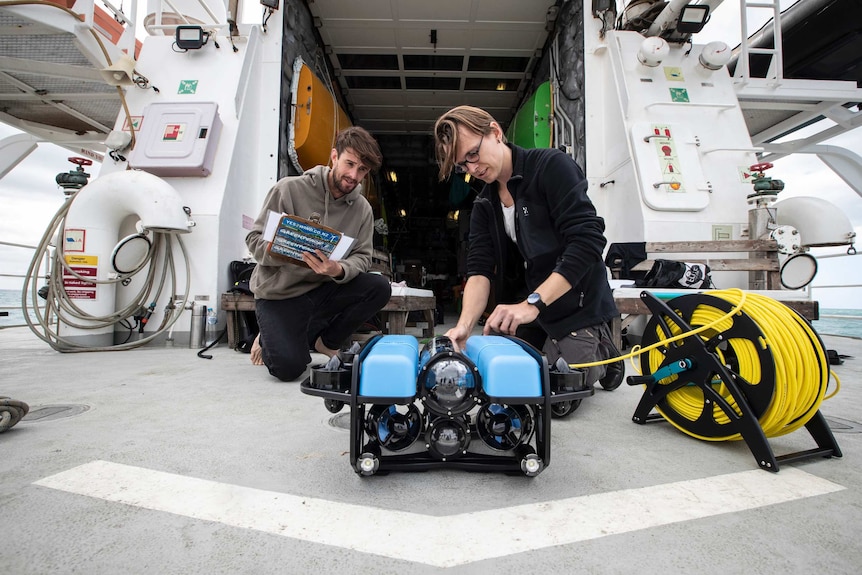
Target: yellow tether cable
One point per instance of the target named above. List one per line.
(638, 350)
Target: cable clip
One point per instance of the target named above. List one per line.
(665, 372)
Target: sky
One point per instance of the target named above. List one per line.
(29, 195)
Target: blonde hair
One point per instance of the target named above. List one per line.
(474, 119)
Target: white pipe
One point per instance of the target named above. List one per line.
(667, 17)
(91, 232)
(107, 200)
(830, 226)
(13, 149)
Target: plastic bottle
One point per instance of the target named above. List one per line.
(212, 321)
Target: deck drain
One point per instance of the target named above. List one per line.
(841, 425)
(51, 412)
(340, 421)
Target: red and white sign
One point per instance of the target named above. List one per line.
(75, 287)
(173, 132)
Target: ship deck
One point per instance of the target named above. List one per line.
(157, 461)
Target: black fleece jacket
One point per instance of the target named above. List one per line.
(557, 229)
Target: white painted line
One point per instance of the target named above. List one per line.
(428, 539)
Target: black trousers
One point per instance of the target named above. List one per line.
(289, 327)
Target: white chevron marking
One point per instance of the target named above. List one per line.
(429, 539)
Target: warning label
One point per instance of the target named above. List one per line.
(78, 287)
(82, 260)
(74, 240)
(174, 132)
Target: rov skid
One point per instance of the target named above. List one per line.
(486, 409)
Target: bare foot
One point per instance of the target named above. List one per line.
(320, 348)
(256, 352)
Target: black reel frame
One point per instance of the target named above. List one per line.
(369, 456)
(696, 362)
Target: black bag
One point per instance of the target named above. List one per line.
(624, 256)
(239, 275)
(674, 274)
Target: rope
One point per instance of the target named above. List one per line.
(11, 412)
(800, 363)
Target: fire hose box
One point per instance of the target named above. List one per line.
(177, 139)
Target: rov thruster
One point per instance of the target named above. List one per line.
(486, 409)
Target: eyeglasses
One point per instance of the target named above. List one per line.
(471, 158)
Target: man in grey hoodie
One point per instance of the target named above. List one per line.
(298, 308)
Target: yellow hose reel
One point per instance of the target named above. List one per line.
(730, 365)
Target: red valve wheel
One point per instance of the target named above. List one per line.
(81, 161)
(760, 167)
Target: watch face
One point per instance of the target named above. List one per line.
(534, 298)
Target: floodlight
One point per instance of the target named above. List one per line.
(692, 18)
(190, 37)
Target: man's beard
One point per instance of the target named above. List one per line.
(342, 186)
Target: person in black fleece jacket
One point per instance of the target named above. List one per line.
(536, 238)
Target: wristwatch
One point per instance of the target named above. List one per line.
(536, 300)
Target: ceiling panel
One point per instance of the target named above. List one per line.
(397, 80)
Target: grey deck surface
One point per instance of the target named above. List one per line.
(225, 421)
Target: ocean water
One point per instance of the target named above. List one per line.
(11, 299)
(840, 325)
(826, 325)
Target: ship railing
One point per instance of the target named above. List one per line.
(815, 286)
(172, 13)
(5, 309)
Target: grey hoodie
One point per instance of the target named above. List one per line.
(275, 278)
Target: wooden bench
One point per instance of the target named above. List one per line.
(761, 258)
(393, 316)
(761, 262)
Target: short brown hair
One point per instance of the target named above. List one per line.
(474, 119)
(363, 144)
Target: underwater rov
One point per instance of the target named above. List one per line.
(730, 365)
(486, 409)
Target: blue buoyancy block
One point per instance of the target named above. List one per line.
(390, 368)
(507, 370)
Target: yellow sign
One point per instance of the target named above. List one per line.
(673, 74)
(82, 260)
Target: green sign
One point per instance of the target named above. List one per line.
(188, 87)
(679, 95)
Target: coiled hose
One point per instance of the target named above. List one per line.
(781, 357)
(58, 308)
(11, 412)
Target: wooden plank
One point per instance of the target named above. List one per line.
(243, 302)
(237, 302)
(721, 265)
(810, 310)
(410, 303)
(712, 246)
(395, 312)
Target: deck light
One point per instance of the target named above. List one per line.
(692, 18)
(190, 37)
(532, 465)
(714, 55)
(652, 51)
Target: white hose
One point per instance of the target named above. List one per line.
(58, 308)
